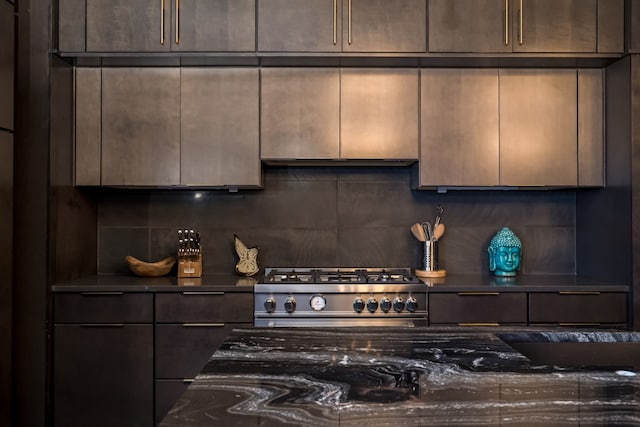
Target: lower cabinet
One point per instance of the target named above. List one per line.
(103, 375)
(478, 308)
(578, 308)
(103, 359)
(124, 358)
(189, 328)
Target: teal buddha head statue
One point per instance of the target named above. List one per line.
(505, 251)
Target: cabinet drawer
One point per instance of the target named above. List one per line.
(191, 307)
(477, 308)
(578, 307)
(103, 307)
(182, 350)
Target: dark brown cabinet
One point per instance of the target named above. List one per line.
(526, 26)
(189, 327)
(478, 308)
(114, 26)
(574, 308)
(348, 114)
(103, 359)
(6, 65)
(480, 126)
(342, 26)
(300, 113)
(140, 126)
(167, 127)
(538, 127)
(460, 137)
(550, 120)
(219, 132)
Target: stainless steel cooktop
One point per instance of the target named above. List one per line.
(299, 297)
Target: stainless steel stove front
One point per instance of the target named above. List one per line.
(340, 304)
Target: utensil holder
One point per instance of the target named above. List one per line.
(190, 265)
(430, 260)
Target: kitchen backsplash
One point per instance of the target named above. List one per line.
(337, 216)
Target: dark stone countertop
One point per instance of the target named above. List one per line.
(229, 282)
(404, 377)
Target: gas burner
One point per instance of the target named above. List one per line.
(340, 277)
(289, 277)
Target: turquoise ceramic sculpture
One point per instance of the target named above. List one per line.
(505, 251)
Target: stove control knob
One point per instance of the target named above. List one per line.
(385, 304)
(270, 305)
(398, 304)
(358, 305)
(290, 304)
(372, 304)
(412, 304)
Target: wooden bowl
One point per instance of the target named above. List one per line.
(150, 269)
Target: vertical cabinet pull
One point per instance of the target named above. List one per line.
(349, 22)
(162, 22)
(520, 25)
(177, 21)
(335, 22)
(506, 22)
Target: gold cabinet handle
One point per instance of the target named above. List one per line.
(462, 294)
(506, 22)
(521, 26)
(162, 22)
(177, 21)
(203, 293)
(203, 325)
(335, 22)
(579, 324)
(349, 22)
(479, 324)
(578, 293)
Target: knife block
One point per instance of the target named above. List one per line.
(190, 265)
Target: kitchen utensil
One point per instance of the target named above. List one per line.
(428, 231)
(438, 232)
(438, 217)
(418, 232)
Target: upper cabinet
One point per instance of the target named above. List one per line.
(111, 26)
(329, 113)
(511, 127)
(527, 26)
(167, 127)
(6, 65)
(342, 26)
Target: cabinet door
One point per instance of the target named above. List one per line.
(469, 26)
(555, 26)
(219, 127)
(474, 308)
(300, 110)
(71, 25)
(128, 26)
(590, 127)
(103, 375)
(88, 124)
(379, 114)
(384, 26)
(6, 65)
(578, 307)
(140, 126)
(203, 307)
(213, 25)
(182, 350)
(299, 26)
(459, 133)
(538, 127)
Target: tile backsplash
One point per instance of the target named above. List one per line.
(337, 216)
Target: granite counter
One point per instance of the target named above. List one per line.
(406, 377)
